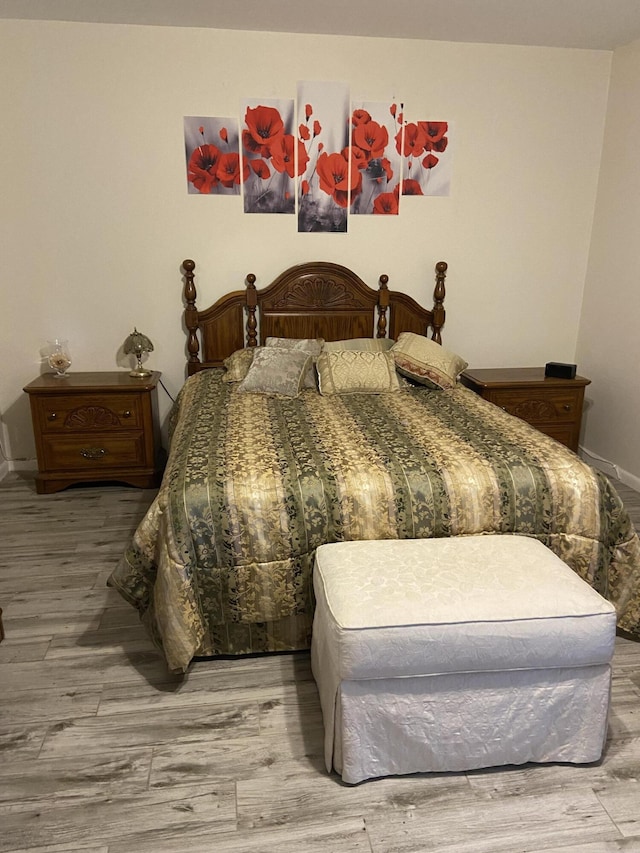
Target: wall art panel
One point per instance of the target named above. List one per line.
(213, 157)
(269, 152)
(326, 181)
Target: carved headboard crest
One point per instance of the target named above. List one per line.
(317, 292)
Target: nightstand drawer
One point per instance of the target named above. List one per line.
(539, 406)
(81, 413)
(564, 433)
(95, 451)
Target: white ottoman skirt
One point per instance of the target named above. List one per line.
(454, 654)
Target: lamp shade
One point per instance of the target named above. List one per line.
(136, 343)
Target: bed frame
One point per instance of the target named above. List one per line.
(318, 299)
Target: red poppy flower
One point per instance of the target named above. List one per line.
(304, 132)
(203, 166)
(308, 111)
(264, 123)
(434, 132)
(430, 161)
(333, 174)
(358, 157)
(283, 156)
(261, 169)
(360, 117)
(386, 165)
(223, 134)
(229, 170)
(304, 187)
(392, 109)
(386, 203)
(317, 128)
(201, 129)
(414, 140)
(252, 147)
(411, 187)
(372, 138)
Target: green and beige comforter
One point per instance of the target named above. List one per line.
(222, 562)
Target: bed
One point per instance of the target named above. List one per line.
(222, 562)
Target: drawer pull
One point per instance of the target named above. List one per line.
(567, 407)
(93, 452)
(126, 414)
(52, 416)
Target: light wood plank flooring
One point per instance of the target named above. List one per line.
(101, 751)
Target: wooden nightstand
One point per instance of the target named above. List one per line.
(554, 406)
(95, 427)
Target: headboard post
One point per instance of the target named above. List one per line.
(383, 304)
(191, 312)
(252, 301)
(438, 299)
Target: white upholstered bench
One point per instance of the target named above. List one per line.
(455, 654)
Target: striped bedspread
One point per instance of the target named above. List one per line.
(222, 562)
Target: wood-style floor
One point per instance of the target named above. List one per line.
(102, 751)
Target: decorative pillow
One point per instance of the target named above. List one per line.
(357, 372)
(426, 362)
(238, 364)
(360, 345)
(313, 346)
(276, 371)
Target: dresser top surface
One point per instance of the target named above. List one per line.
(114, 380)
(496, 377)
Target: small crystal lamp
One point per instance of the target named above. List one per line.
(138, 344)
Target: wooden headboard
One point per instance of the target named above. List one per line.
(318, 299)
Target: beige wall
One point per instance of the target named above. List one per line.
(609, 341)
(97, 216)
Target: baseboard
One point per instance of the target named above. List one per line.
(17, 465)
(23, 465)
(611, 469)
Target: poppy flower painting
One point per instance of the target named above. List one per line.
(375, 158)
(327, 183)
(322, 157)
(213, 155)
(270, 154)
(426, 155)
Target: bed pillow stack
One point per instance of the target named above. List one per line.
(357, 365)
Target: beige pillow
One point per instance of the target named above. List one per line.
(360, 344)
(427, 362)
(313, 346)
(276, 371)
(238, 364)
(357, 372)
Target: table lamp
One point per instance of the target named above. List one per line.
(137, 343)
